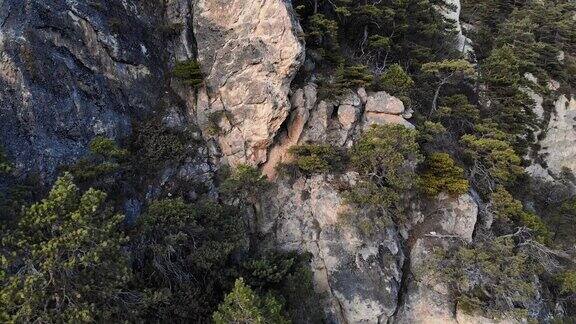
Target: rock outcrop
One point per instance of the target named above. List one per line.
(249, 52)
(445, 223)
(560, 136)
(70, 70)
(359, 275)
(452, 13)
(337, 122)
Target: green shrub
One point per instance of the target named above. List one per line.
(104, 160)
(491, 276)
(243, 305)
(107, 148)
(154, 146)
(387, 155)
(316, 158)
(396, 81)
(346, 78)
(245, 183)
(506, 209)
(567, 281)
(323, 31)
(65, 260)
(494, 160)
(188, 72)
(183, 258)
(441, 174)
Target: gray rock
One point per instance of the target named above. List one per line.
(70, 71)
(359, 275)
(381, 102)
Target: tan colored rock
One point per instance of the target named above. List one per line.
(459, 215)
(382, 119)
(249, 52)
(449, 221)
(358, 275)
(347, 116)
(382, 102)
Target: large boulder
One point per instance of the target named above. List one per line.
(249, 52)
(382, 102)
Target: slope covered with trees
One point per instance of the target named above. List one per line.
(193, 254)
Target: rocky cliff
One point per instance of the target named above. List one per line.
(71, 70)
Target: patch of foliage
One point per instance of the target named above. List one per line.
(182, 258)
(441, 174)
(245, 183)
(316, 158)
(385, 156)
(104, 160)
(65, 262)
(510, 213)
(493, 161)
(491, 277)
(243, 305)
(5, 166)
(188, 72)
(154, 145)
(396, 82)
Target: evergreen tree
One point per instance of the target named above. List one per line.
(243, 306)
(64, 260)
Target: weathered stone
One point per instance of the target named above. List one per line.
(359, 275)
(362, 95)
(459, 215)
(252, 84)
(381, 102)
(559, 145)
(452, 14)
(67, 74)
(450, 221)
(347, 115)
(382, 119)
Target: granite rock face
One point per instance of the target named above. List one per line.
(559, 143)
(337, 122)
(444, 223)
(249, 52)
(359, 275)
(70, 70)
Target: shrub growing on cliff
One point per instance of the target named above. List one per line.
(289, 277)
(243, 305)
(385, 156)
(65, 262)
(447, 71)
(182, 258)
(104, 159)
(441, 174)
(316, 158)
(245, 183)
(493, 161)
(510, 212)
(188, 72)
(491, 276)
(155, 145)
(396, 82)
